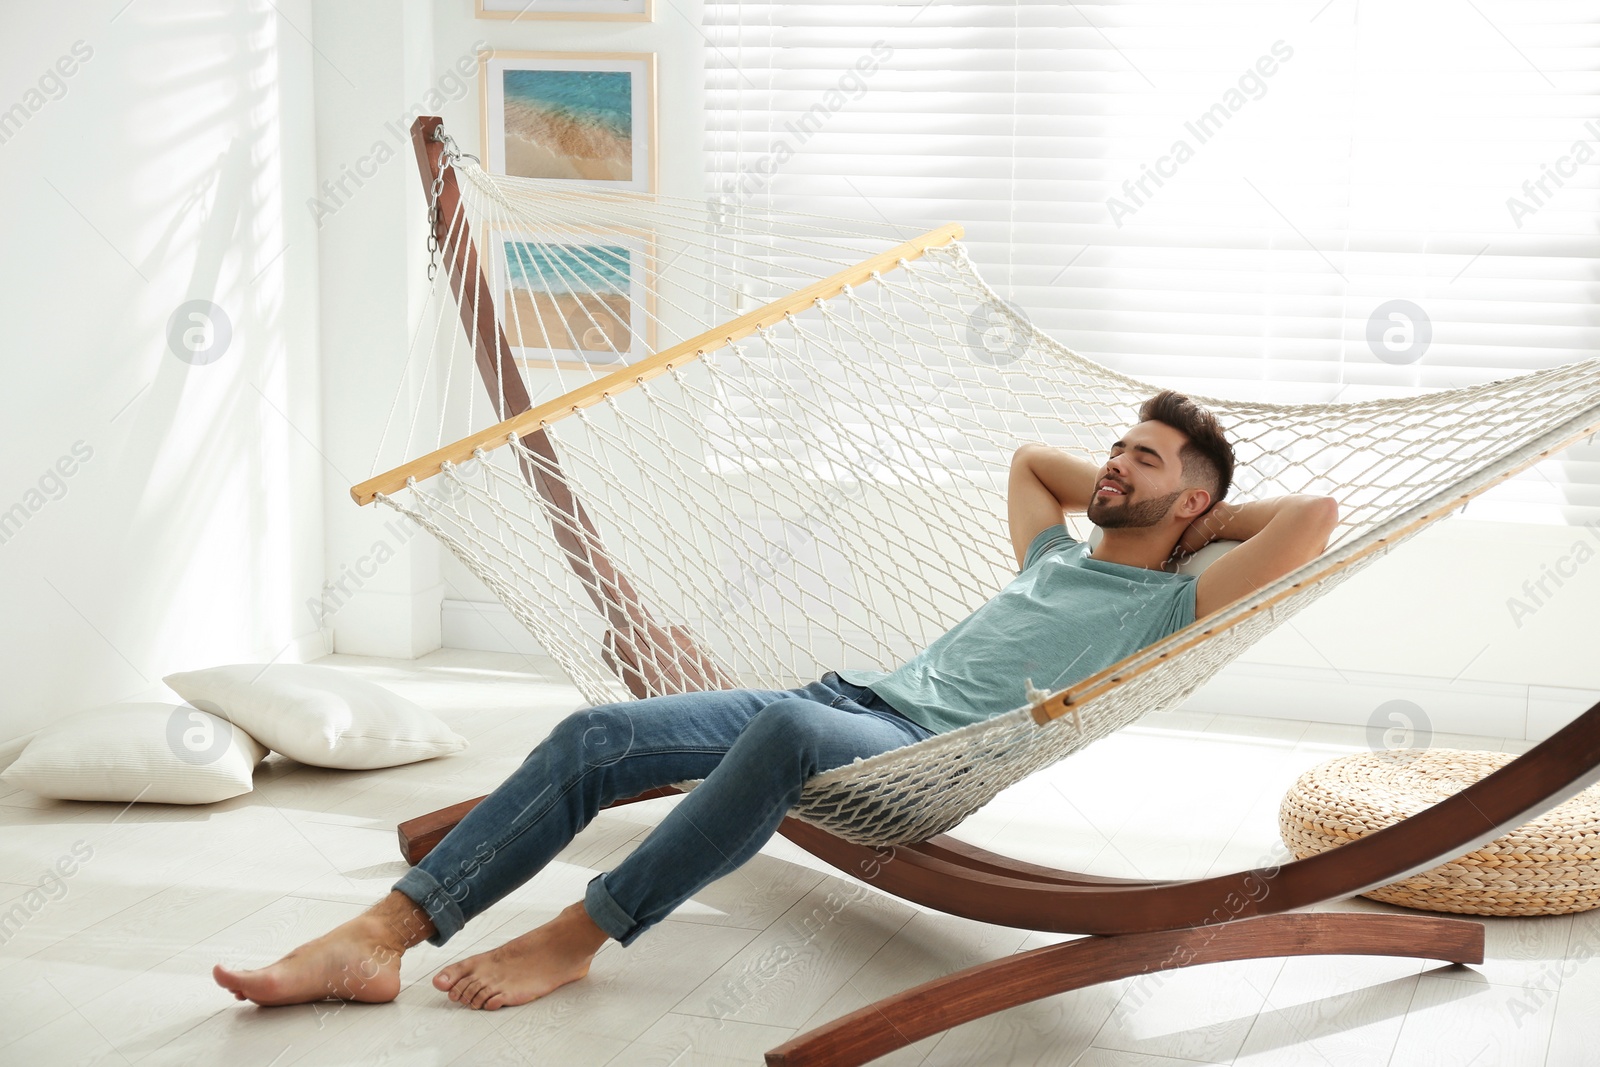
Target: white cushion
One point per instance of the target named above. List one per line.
(1195, 564)
(1208, 554)
(163, 753)
(319, 715)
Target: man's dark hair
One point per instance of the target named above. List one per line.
(1207, 457)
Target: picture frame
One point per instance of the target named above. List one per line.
(575, 300)
(588, 117)
(569, 10)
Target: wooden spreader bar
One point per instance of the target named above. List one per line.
(626, 378)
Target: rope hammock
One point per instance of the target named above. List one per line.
(732, 448)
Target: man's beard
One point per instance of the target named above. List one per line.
(1131, 515)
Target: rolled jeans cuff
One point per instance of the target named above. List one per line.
(426, 892)
(607, 914)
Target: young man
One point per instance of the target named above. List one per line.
(1067, 614)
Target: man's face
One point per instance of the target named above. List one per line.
(1145, 477)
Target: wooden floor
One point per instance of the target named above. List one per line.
(114, 966)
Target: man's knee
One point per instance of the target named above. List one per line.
(789, 726)
(594, 737)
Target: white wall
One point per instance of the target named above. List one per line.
(375, 75)
(170, 166)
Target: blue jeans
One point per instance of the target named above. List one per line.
(755, 748)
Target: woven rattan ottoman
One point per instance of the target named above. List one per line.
(1550, 866)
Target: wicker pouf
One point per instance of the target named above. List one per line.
(1550, 866)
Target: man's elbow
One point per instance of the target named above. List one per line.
(1323, 515)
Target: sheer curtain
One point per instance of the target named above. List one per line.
(1315, 202)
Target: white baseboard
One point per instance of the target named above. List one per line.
(489, 626)
(485, 627)
(401, 625)
(310, 647)
(307, 648)
(1305, 694)
(1367, 698)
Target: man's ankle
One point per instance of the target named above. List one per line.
(403, 921)
(576, 918)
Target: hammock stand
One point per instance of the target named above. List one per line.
(1135, 926)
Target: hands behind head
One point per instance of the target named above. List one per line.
(1205, 528)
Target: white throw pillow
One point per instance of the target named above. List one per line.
(319, 715)
(162, 753)
(1195, 564)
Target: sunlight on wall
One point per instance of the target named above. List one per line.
(173, 301)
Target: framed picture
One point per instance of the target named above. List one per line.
(575, 300)
(607, 10)
(584, 116)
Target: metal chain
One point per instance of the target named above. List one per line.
(433, 222)
(451, 155)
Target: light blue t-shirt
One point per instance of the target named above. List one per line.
(1061, 619)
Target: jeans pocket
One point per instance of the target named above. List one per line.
(838, 686)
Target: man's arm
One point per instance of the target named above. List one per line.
(1279, 535)
(1045, 482)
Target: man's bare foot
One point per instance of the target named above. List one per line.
(526, 967)
(357, 960)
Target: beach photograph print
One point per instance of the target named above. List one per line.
(569, 10)
(574, 303)
(587, 118)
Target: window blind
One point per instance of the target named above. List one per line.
(1292, 202)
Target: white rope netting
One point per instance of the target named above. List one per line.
(829, 492)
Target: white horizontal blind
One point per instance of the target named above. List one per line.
(1246, 199)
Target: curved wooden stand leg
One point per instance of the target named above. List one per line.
(927, 1009)
(419, 836)
(962, 880)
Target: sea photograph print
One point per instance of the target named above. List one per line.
(587, 117)
(567, 302)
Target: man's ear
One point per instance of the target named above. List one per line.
(1194, 503)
